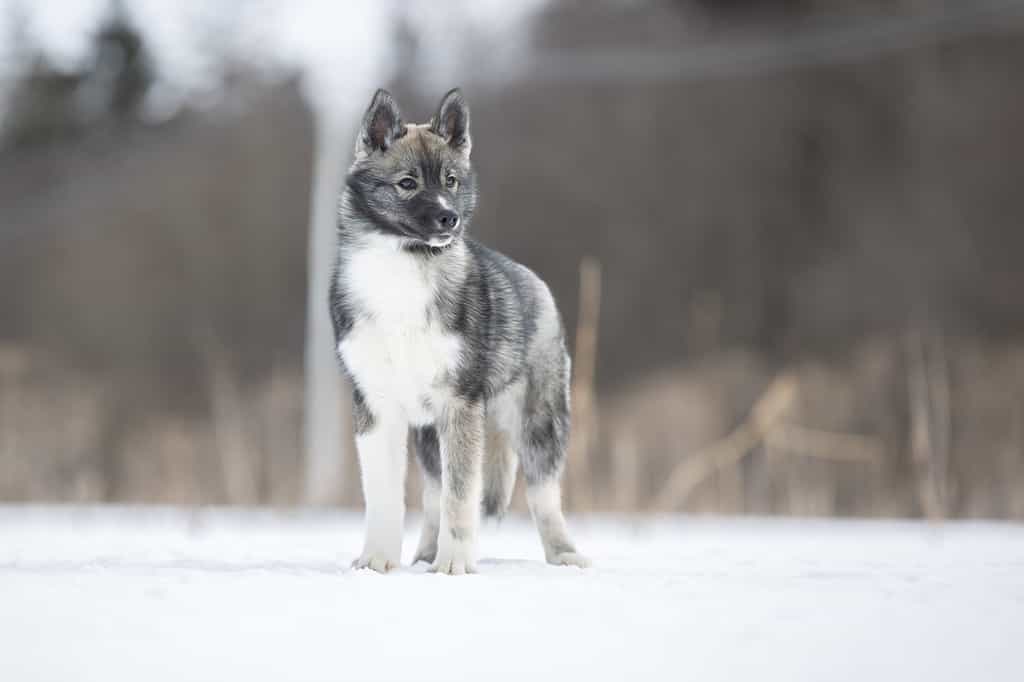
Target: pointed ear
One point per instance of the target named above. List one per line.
(382, 124)
(452, 122)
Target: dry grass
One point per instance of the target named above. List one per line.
(729, 434)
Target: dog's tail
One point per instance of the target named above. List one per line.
(500, 464)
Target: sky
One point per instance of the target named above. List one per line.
(343, 49)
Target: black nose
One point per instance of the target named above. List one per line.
(448, 219)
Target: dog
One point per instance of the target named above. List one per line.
(448, 344)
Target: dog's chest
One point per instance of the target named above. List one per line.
(398, 350)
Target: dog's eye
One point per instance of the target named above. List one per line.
(450, 181)
(407, 184)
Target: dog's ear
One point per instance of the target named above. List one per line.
(382, 124)
(452, 122)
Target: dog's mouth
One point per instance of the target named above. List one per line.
(444, 239)
(441, 241)
(436, 242)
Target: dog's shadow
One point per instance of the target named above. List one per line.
(490, 566)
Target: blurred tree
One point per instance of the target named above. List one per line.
(124, 63)
(49, 104)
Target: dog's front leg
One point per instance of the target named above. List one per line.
(381, 443)
(461, 432)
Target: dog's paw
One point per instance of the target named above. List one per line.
(376, 562)
(453, 566)
(427, 549)
(454, 560)
(425, 554)
(570, 559)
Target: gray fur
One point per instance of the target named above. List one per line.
(408, 200)
(362, 418)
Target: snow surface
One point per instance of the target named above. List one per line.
(157, 594)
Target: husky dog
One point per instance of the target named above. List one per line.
(445, 341)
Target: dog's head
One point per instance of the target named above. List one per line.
(414, 182)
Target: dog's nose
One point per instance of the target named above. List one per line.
(448, 219)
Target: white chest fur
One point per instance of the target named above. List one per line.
(398, 352)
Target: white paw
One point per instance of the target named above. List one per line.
(427, 549)
(569, 559)
(376, 561)
(454, 559)
(426, 554)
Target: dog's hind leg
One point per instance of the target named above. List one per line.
(501, 456)
(428, 453)
(542, 458)
(545, 501)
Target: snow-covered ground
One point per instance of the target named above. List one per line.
(150, 594)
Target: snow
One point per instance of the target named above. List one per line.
(159, 594)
